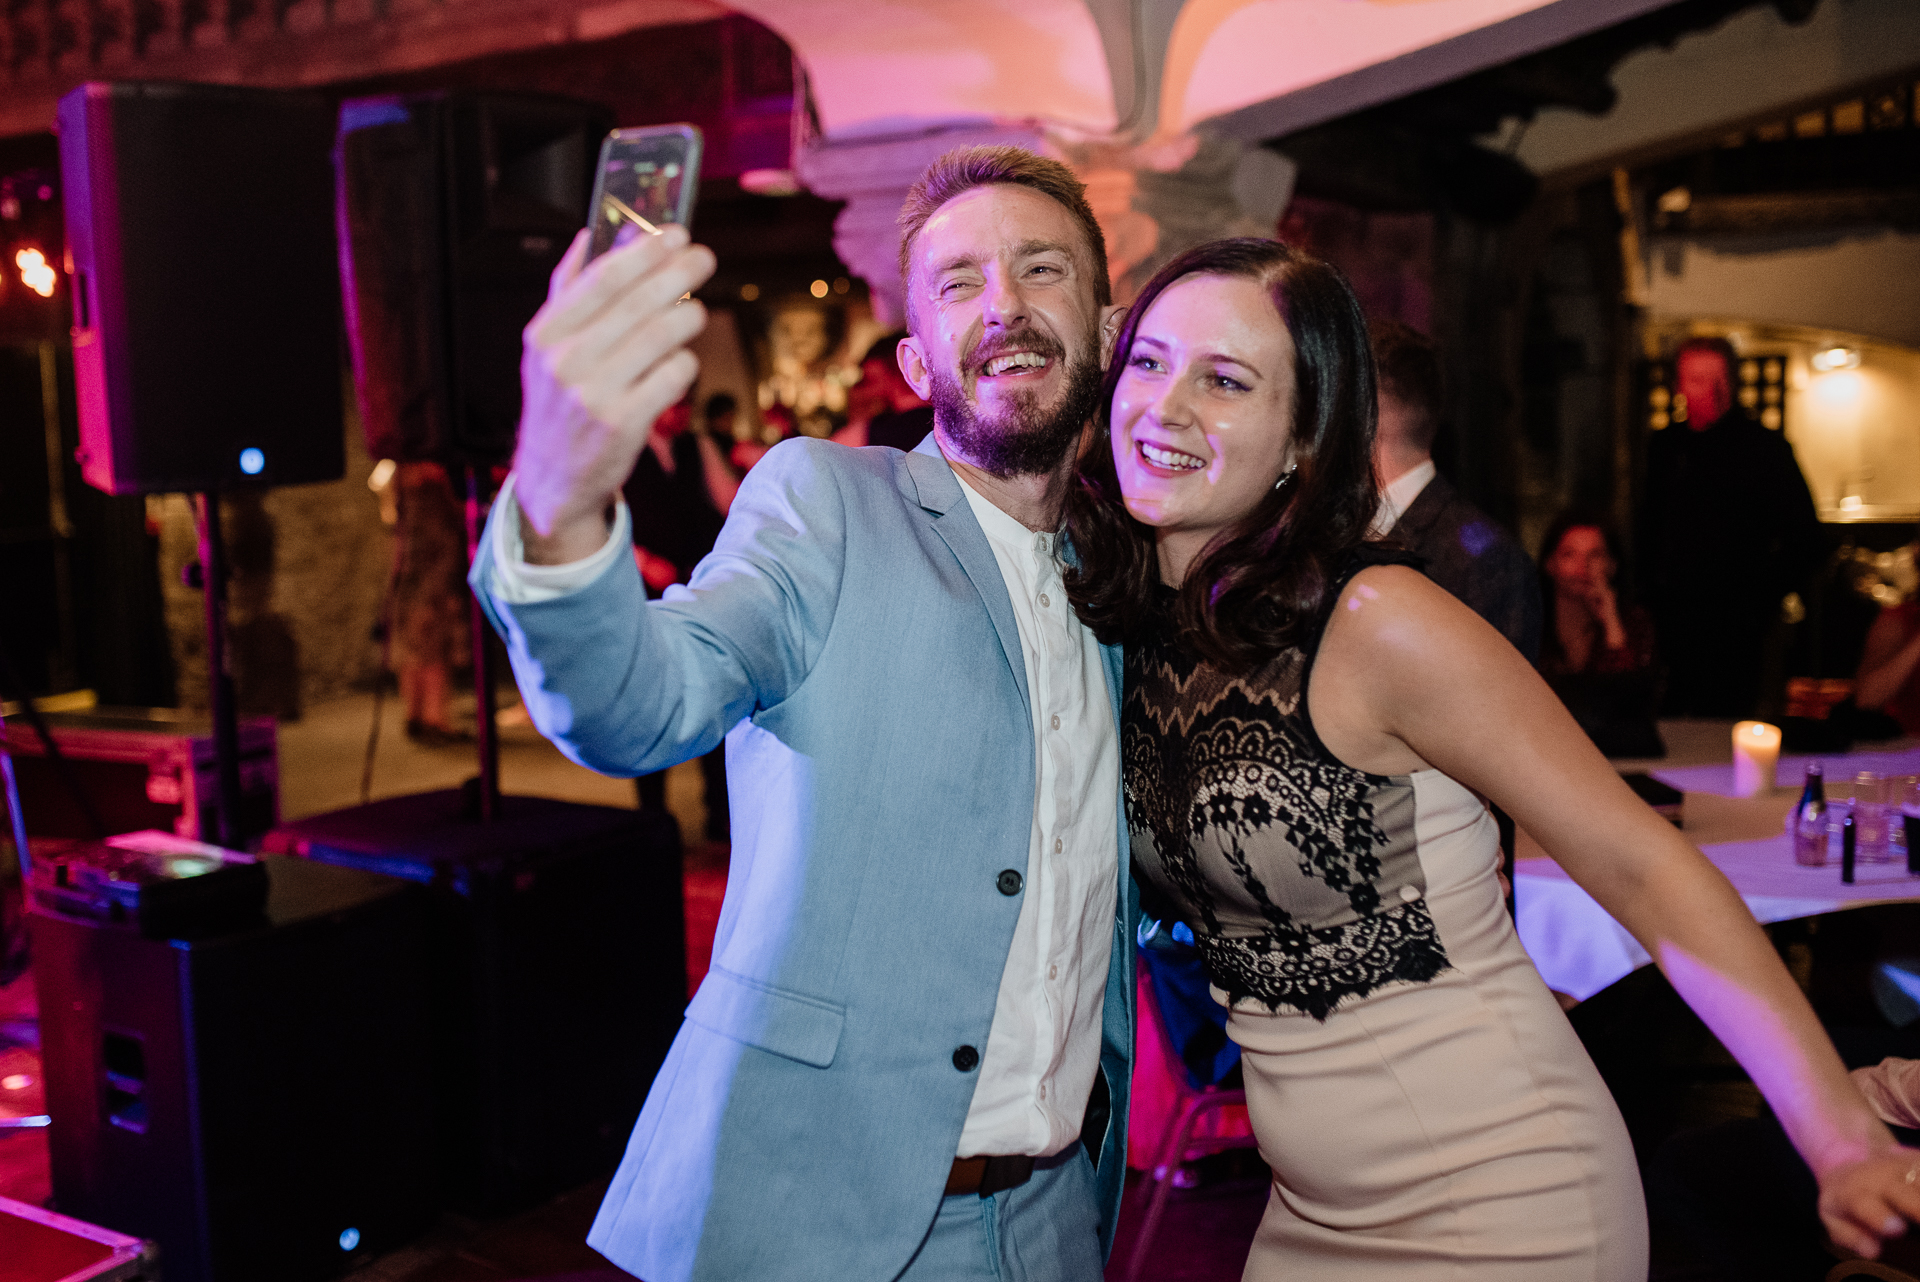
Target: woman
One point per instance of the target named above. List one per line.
(1309, 729)
(1597, 654)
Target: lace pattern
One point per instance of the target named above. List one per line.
(1275, 852)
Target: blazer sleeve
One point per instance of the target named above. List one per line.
(626, 686)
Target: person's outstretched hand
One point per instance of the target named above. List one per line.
(602, 358)
(1866, 1201)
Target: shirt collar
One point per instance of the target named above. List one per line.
(1400, 494)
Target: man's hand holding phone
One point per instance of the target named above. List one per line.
(602, 359)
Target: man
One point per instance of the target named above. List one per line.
(1730, 529)
(914, 1043)
(1466, 552)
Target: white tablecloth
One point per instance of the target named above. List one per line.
(1580, 950)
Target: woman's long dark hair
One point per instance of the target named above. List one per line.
(1262, 586)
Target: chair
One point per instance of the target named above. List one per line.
(1178, 1142)
(1852, 1270)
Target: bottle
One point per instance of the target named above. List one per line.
(1809, 822)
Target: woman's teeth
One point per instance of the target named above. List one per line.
(1018, 360)
(1171, 459)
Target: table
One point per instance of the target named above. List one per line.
(1579, 949)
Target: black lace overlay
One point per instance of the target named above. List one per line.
(1298, 874)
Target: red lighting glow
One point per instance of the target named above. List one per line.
(35, 272)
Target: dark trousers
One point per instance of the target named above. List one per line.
(713, 767)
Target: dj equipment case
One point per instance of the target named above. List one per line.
(559, 942)
(257, 1101)
(143, 768)
(40, 1246)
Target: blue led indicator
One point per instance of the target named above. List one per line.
(349, 1238)
(252, 461)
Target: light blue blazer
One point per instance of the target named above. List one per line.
(852, 638)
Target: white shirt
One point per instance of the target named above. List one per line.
(1399, 495)
(1043, 1049)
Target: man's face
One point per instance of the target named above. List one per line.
(1705, 382)
(1006, 328)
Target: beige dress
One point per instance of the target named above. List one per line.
(1426, 1109)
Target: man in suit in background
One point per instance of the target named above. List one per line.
(1466, 551)
(910, 1058)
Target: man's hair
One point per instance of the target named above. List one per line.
(964, 168)
(1717, 346)
(1406, 366)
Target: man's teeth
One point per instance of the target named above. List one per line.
(1018, 360)
(1173, 459)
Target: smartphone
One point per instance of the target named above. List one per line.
(647, 179)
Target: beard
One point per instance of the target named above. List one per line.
(1027, 438)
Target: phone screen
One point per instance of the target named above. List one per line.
(648, 178)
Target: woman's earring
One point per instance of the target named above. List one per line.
(1286, 475)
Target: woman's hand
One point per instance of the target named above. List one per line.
(1865, 1201)
(1605, 608)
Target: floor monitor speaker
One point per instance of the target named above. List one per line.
(206, 337)
(453, 210)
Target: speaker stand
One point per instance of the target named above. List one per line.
(220, 700)
(486, 736)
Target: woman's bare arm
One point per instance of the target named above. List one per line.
(1886, 662)
(1408, 677)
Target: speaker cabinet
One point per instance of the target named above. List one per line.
(453, 211)
(559, 981)
(259, 1103)
(206, 336)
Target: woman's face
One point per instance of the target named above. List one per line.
(1203, 413)
(1581, 562)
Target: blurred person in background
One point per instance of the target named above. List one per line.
(430, 633)
(1730, 530)
(1597, 652)
(677, 516)
(883, 408)
(1465, 550)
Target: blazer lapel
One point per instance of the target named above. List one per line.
(938, 491)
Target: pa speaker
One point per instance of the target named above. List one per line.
(453, 210)
(260, 1100)
(206, 339)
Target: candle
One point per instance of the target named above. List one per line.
(1756, 754)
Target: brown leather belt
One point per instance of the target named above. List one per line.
(988, 1175)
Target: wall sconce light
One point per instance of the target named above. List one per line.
(1833, 358)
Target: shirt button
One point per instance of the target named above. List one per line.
(1056, 721)
(1056, 845)
(1008, 881)
(1053, 972)
(1409, 893)
(1044, 601)
(966, 1059)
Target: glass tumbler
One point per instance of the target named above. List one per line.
(1872, 818)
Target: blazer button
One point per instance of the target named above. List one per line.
(1009, 882)
(966, 1059)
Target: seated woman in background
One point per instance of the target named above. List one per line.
(1596, 653)
(1888, 681)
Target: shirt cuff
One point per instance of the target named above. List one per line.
(517, 583)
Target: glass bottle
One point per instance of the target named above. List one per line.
(1809, 824)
